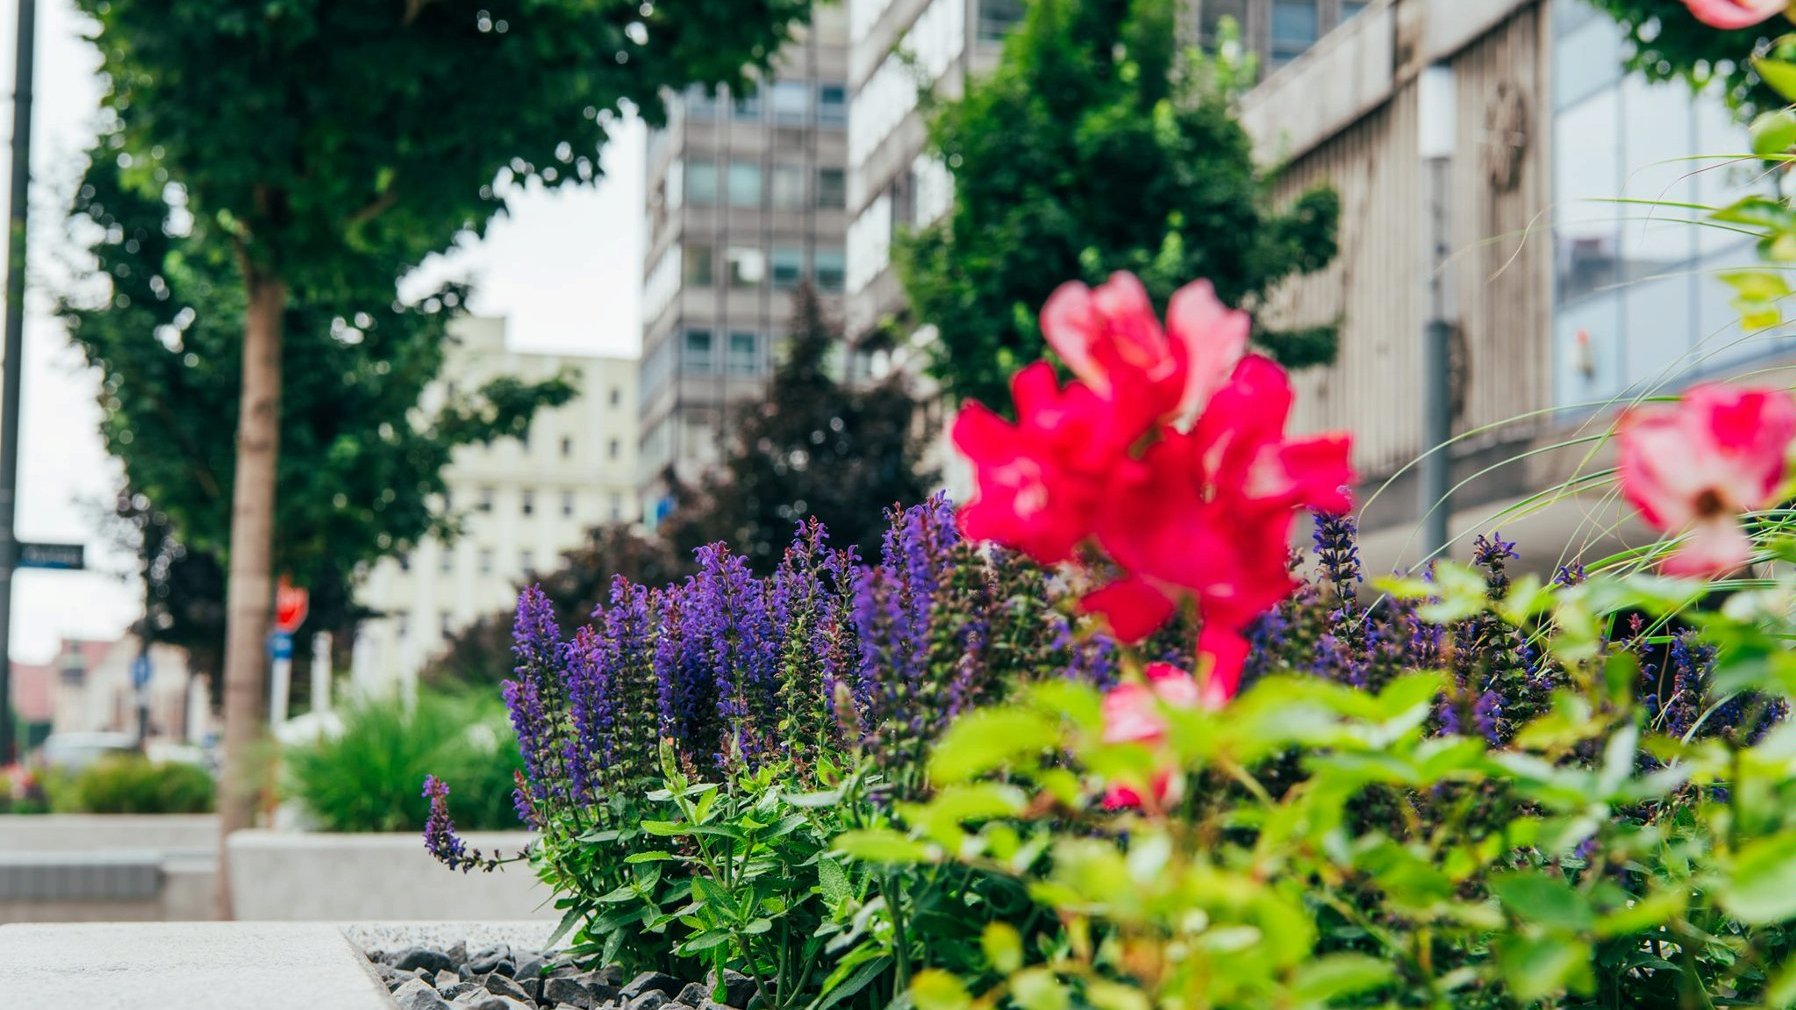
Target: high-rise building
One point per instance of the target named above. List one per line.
(1278, 31)
(746, 199)
(520, 502)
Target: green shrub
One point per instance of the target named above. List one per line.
(129, 784)
(367, 777)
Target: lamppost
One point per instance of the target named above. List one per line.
(1437, 114)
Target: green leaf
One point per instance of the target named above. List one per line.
(1003, 947)
(832, 882)
(1778, 74)
(877, 845)
(656, 856)
(1549, 901)
(1336, 975)
(1535, 968)
(935, 989)
(1761, 889)
(1038, 989)
(989, 739)
(1773, 133)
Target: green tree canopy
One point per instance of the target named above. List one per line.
(1097, 146)
(813, 445)
(362, 472)
(1666, 42)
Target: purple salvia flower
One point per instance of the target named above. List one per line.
(1488, 714)
(440, 837)
(591, 707)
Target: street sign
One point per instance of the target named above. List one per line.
(280, 645)
(140, 672)
(60, 556)
(291, 603)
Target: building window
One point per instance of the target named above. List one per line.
(567, 447)
(700, 103)
(997, 17)
(832, 268)
(748, 266)
(486, 499)
(788, 187)
(695, 356)
(788, 266)
(446, 560)
(405, 562)
(486, 561)
(791, 102)
(613, 448)
(446, 624)
(616, 508)
(403, 625)
(1295, 25)
(745, 184)
(701, 183)
(1351, 7)
(832, 188)
(529, 502)
(699, 263)
(745, 354)
(1214, 12)
(832, 105)
(527, 563)
(617, 396)
(748, 107)
(567, 504)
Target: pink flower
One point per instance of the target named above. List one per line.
(1207, 515)
(1734, 13)
(1111, 339)
(1039, 481)
(1134, 713)
(1698, 464)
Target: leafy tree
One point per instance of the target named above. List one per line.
(1666, 42)
(363, 466)
(481, 652)
(1097, 146)
(308, 135)
(812, 446)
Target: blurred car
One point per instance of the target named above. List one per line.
(72, 752)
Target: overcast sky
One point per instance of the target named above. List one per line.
(564, 269)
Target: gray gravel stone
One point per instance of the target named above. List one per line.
(493, 959)
(654, 999)
(738, 988)
(531, 967)
(503, 985)
(694, 994)
(652, 981)
(418, 995)
(423, 957)
(562, 989)
(445, 978)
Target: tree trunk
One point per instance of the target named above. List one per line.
(250, 590)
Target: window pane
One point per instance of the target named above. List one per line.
(1587, 179)
(700, 265)
(748, 107)
(748, 266)
(996, 18)
(700, 103)
(1351, 7)
(831, 269)
(788, 266)
(696, 353)
(1294, 28)
(745, 354)
(1585, 60)
(745, 184)
(832, 105)
(791, 103)
(701, 183)
(788, 187)
(832, 188)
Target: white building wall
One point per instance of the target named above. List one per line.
(520, 504)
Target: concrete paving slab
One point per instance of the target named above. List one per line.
(185, 966)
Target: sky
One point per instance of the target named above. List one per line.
(564, 269)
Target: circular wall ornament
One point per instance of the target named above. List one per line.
(1505, 137)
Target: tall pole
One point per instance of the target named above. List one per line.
(13, 366)
(1438, 130)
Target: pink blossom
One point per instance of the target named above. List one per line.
(1111, 339)
(1734, 13)
(1696, 465)
(1134, 713)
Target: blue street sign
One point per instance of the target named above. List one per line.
(67, 557)
(140, 671)
(280, 645)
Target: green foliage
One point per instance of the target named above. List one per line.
(361, 466)
(1094, 147)
(1590, 863)
(366, 777)
(1666, 42)
(134, 785)
(812, 446)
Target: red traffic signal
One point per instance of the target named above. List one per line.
(291, 604)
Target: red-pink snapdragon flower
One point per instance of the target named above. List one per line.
(1734, 13)
(1696, 465)
(1133, 713)
(1168, 451)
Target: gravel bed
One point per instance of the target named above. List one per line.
(502, 977)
